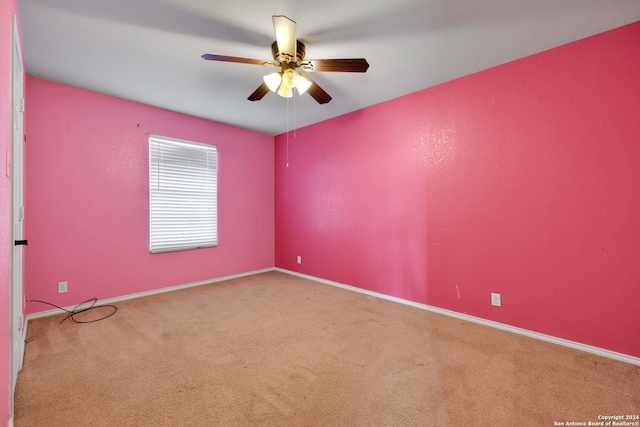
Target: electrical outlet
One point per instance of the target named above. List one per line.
(299, 259)
(63, 287)
(495, 299)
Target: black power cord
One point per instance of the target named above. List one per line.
(77, 310)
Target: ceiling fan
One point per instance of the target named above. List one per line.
(288, 54)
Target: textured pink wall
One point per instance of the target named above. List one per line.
(87, 197)
(523, 179)
(7, 9)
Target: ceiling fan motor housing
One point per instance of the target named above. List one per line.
(284, 58)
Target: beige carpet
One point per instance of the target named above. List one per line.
(277, 350)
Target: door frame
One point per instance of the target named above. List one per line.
(16, 162)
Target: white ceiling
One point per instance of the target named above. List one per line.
(149, 51)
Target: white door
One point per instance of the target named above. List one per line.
(17, 210)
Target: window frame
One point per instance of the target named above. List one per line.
(183, 195)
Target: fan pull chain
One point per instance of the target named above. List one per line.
(294, 116)
(287, 132)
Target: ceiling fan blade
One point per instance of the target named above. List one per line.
(285, 30)
(259, 93)
(223, 58)
(316, 91)
(352, 65)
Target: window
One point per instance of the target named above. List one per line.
(183, 193)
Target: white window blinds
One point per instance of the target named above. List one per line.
(183, 187)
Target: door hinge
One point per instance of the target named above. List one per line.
(21, 107)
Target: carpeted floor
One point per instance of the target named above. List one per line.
(278, 350)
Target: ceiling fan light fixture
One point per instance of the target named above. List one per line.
(285, 92)
(273, 80)
(290, 78)
(303, 85)
(283, 82)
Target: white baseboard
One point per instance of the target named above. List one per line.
(151, 292)
(537, 335)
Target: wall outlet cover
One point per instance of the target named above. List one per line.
(63, 287)
(495, 299)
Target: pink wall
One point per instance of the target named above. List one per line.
(87, 202)
(7, 9)
(523, 179)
